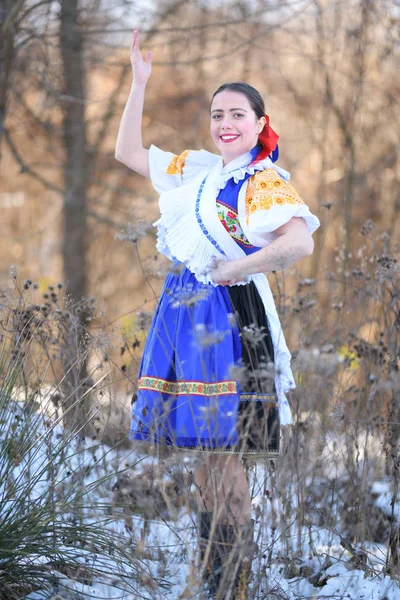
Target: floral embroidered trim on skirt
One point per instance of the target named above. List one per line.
(206, 380)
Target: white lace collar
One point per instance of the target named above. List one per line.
(238, 168)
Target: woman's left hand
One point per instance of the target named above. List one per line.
(222, 273)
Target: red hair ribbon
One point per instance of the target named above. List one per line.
(269, 140)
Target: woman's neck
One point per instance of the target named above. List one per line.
(251, 153)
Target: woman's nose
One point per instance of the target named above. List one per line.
(226, 123)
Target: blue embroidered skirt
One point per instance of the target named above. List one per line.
(206, 376)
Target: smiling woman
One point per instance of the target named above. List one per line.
(245, 121)
(216, 369)
(234, 125)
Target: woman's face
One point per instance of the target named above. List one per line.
(234, 125)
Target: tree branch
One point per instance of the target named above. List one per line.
(26, 168)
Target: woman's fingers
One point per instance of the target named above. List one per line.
(136, 47)
(141, 65)
(135, 41)
(230, 282)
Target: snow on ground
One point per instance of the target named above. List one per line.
(169, 552)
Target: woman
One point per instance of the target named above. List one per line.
(216, 367)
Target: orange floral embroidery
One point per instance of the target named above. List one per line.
(262, 192)
(176, 165)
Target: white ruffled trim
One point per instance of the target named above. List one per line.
(239, 173)
(179, 235)
(197, 162)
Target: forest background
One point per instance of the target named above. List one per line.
(70, 213)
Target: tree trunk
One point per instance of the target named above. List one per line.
(75, 232)
(9, 10)
(76, 155)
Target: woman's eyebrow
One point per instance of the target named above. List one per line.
(230, 110)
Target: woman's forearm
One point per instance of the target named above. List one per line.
(281, 253)
(129, 147)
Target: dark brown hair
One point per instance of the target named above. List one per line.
(253, 96)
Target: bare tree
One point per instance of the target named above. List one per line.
(9, 13)
(76, 166)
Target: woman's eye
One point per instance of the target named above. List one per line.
(215, 117)
(238, 114)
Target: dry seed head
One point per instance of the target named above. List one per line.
(134, 232)
(357, 273)
(367, 227)
(387, 269)
(307, 282)
(253, 334)
(232, 320)
(143, 320)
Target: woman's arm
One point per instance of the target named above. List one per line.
(294, 242)
(129, 148)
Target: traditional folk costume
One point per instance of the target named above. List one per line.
(216, 368)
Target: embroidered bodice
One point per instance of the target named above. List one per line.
(268, 187)
(265, 189)
(227, 208)
(202, 198)
(230, 221)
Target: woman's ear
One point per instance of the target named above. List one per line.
(261, 123)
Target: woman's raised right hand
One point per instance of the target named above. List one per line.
(141, 68)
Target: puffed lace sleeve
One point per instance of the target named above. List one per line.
(168, 171)
(270, 202)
